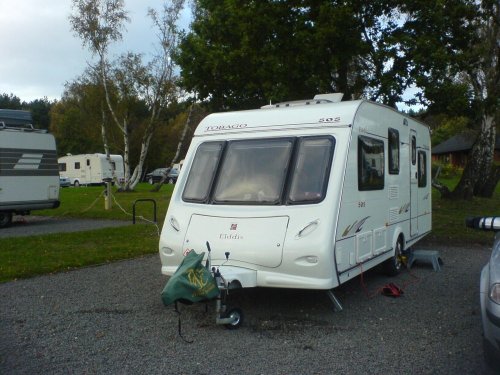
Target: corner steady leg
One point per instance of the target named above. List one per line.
(336, 303)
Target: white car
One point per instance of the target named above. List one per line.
(489, 292)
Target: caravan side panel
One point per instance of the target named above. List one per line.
(376, 206)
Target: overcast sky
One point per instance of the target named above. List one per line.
(39, 53)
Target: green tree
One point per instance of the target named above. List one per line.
(10, 101)
(301, 48)
(454, 46)
(40, 110)
(76, 118)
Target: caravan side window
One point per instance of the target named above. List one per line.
(422, 169)
(370, 163)
(202, 172)
(62, 167)
(77, 165)
(393, 138)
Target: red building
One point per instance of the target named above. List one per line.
(456, 149)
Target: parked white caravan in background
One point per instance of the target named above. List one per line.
(29, 178)
(304, 194)
(90, 169)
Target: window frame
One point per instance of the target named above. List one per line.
(393, 169)
(210, 185)
(287, 178)
(328, 167)
(422, 177)
(363, 186)
(413, 150)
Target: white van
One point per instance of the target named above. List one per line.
(29, 178)
(302, 194)
(91, 169)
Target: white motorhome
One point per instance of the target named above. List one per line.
(90, 169)
(302, 194)
(29, 178)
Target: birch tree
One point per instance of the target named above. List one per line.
(99, 23)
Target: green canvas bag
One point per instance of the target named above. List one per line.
(191, 282)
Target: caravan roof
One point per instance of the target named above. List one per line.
(328, 114)
(13, 117)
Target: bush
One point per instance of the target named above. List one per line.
(447, 170)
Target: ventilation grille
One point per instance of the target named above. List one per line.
(393, 214)
(393, 192)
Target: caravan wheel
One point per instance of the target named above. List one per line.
(5, 219)
(76, 183)
(237, 314)
(392, 266)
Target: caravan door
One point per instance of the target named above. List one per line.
(413, 184)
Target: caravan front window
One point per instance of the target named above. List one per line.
(202, 172)
(261, 171)
(311, 170)
(253, 171)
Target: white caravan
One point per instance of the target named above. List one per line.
(90, 169)
(301, 194)
(29, 178)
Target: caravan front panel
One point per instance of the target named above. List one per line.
(251, 241)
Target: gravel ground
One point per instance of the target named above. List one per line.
(110, 320)
(23, 226)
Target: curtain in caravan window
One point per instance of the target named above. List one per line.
(253, 171)
(202, 172)
(311, 170)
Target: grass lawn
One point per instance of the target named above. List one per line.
(29, 256)
(22, 257)
(448, 217)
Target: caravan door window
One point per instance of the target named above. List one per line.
(422, 169)
(311, 170)
(253, 171)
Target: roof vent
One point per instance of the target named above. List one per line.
(318, 99)
(333, 97)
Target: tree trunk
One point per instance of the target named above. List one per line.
(479, 162)
(488, 186)
(179, 146)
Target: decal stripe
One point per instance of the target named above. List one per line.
(28, 162)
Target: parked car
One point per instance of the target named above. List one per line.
(489, 292)
(172, 176)
(64, 181)
(156, 175)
